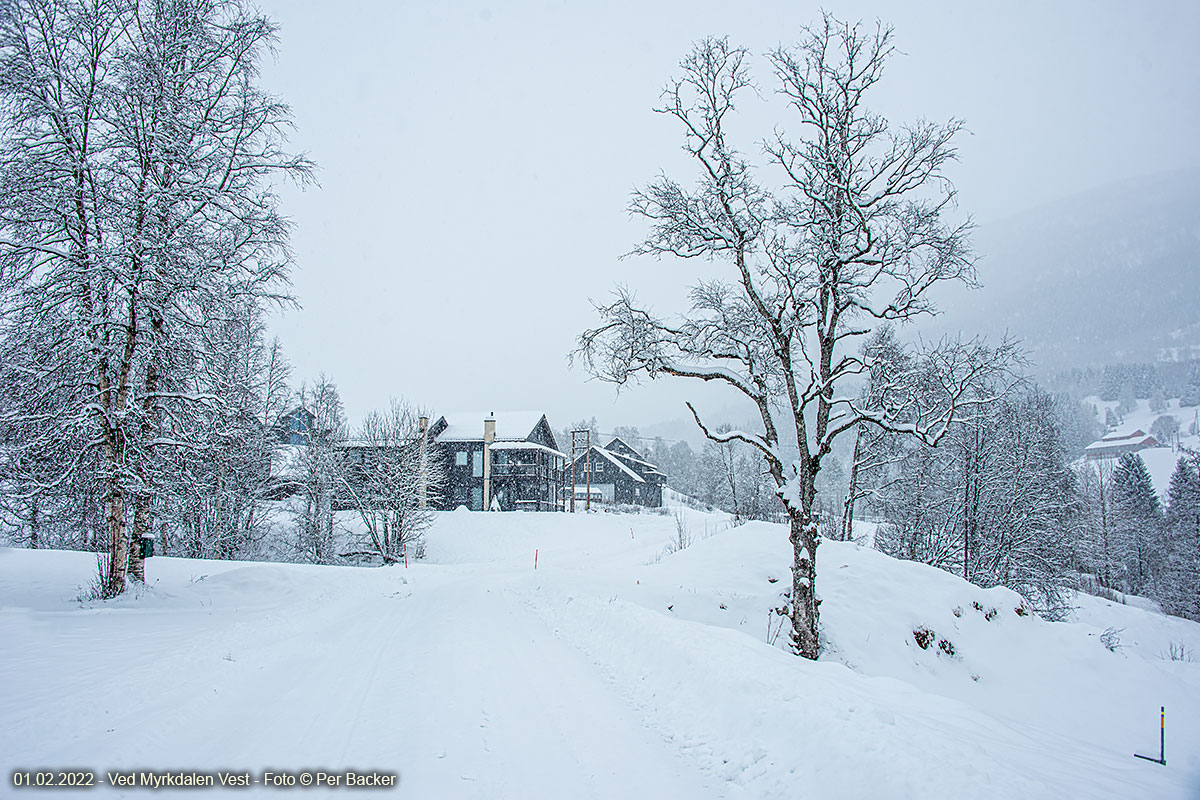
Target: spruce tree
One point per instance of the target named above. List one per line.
(1182, 592)
(1137, 524)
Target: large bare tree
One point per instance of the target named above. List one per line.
(851, 235)
(137, 156)
(386, 480)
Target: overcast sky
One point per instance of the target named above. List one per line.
(476, 161)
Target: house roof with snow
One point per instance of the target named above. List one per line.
(1116, 443)
(513, 427)
(612, 457)
(622, 450)
(506, 445)
(467, 426)
(636, 469)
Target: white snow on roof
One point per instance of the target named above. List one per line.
(1118, 435)
(614, 459)
(1119, 443)
(527, 446)
(467, 426)
(651, 468)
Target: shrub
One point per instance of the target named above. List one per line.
(98, 588)
(923, 637)
(1178, 652)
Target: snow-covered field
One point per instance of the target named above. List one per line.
(615, 669)
(1160, 461)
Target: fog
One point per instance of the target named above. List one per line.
(476, 163)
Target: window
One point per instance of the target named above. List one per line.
(460, 458)
(477, 464)
(477, 498)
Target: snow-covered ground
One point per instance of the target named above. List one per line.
(617, 668)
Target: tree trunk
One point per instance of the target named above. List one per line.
(33, 524)
(805, 613)
(118, 538)
(141, 528)
(848, 512)
(967, 513)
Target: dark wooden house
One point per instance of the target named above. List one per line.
(621, 475)
(507, 462)
(295, 426)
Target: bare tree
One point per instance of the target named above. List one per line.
(874, 449)
(135, 211)
(214, 492)
(854, 236)
(382, 480)
(999, 504)
(318, 469)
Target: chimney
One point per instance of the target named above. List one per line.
(423, 477)
(489, 436)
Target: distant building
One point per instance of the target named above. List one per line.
(620, 474)
(294, 426)
(1115, 445)
(507, 462)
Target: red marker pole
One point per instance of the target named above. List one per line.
(535, 558)
(404, 551)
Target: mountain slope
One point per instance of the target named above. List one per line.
(1112, 275)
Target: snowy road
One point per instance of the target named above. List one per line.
(612, 671)
(444, 677)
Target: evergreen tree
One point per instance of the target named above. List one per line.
(1137, 524)
(1181, 594)
(1128, 401)
(1190, 396)
(1112, 382)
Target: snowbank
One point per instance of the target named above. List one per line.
(623, 665)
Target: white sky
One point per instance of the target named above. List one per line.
(476, 161)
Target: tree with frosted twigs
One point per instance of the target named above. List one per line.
(382, 477)
(136, 158)
(1000, 506)
(319, 472)
(852, 236)
(220, 509)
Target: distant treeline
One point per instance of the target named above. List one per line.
(1165, 379)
